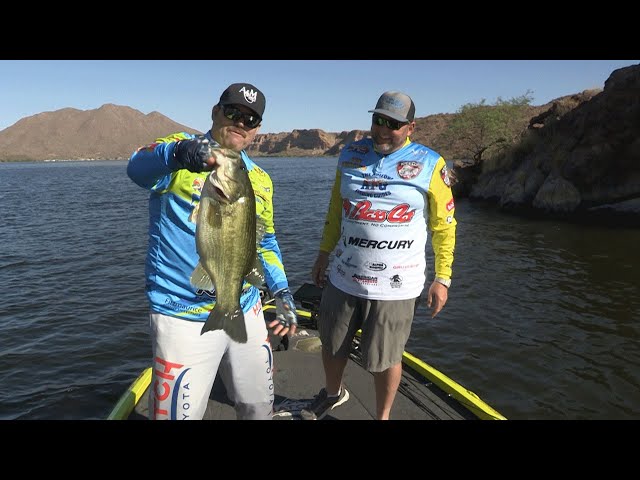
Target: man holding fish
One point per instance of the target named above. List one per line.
(211, 243)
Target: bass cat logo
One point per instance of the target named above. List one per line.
(363, 211)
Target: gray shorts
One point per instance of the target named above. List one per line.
(385, 324)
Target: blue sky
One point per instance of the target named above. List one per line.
(333, 95)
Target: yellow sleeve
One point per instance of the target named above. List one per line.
(333, 220)
(174, 137)
(268, 248)
(442, 223)
(263, 190)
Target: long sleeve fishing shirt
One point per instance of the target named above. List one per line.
(172, 256)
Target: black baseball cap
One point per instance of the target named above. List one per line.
(244, 94)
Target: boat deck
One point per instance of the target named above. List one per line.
(298, 376)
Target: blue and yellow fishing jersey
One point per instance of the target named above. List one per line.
(381, 210)
(172, 255)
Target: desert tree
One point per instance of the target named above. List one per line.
(480, 129)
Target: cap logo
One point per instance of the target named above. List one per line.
(249, 95)
(393, 103)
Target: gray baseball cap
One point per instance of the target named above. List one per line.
(395, 105)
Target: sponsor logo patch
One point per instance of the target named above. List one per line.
(362, 211)
(395, 281)
(380, 244)
(450, 205)
(364, 279)
(408, 170)
(444, 174)
(376, 266)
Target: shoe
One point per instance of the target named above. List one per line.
(323, 404)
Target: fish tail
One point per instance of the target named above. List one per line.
(231, 322)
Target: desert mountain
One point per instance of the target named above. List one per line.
(108, 132)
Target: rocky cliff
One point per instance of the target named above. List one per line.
(302, 143)
(581, 153)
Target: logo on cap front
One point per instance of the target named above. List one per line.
(392, 103)
(249, 95)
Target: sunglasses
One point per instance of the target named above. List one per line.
(248, 119)
(392, 124)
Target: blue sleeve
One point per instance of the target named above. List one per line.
(275, 276)
(151, 163)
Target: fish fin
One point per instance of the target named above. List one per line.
(232, 323)
(256, 275)
(200, 278)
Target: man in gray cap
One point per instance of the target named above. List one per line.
(388, 195)
(186, 359)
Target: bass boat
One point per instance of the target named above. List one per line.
(424, 392)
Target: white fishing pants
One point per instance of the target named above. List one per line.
(185, 365)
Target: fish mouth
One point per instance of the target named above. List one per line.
(218, 190)
(219, 193)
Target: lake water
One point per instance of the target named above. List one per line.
(541, 322)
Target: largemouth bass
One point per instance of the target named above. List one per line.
(226, 241)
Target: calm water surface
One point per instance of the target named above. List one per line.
(541, 323)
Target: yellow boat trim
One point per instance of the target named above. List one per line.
(131, 397)
(466, 397)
